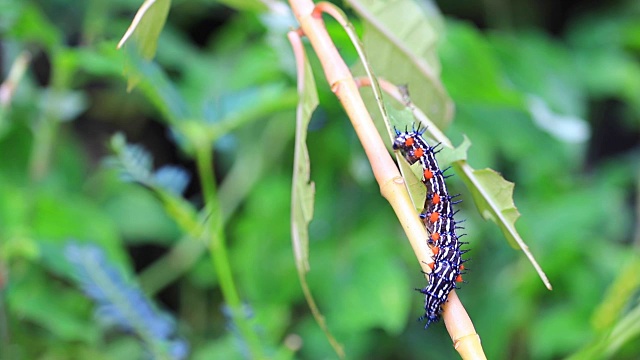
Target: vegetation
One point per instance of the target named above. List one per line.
(145, 192)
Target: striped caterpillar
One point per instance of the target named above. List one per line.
(438, 217)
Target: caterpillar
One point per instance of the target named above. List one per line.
(438, 217)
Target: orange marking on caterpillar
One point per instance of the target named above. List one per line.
(434, 216)
(435, 236)
(459, 278)
(428, 174)
(409, 141)
(419, 152)
(436, 199)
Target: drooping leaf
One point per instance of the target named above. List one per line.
(493, 196)
(303, 192)
(303, 189)
(400, 39)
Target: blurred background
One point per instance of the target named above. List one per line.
(100, 257)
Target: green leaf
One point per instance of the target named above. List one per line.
(146, 27)
(400, 40)
(145, 30)
(500, 203)
(493, 196)
(303, 189)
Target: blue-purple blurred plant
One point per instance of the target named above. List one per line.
(134, 163)
(121, 303)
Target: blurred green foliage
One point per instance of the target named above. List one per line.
(558, 114)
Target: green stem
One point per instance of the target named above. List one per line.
(236, 186)
(218, 250)
(44, 134)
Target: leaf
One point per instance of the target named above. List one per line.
(146, 27)
(449, 156)
(501, 203)
(493, 196)
(400, 41)
(145, 30)
(303, 189)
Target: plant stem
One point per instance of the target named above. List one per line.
(44, 134)
(218, 250)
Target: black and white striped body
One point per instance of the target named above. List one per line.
(438, 217)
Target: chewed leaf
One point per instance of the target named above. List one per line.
(303, 192)
(146, 27)
(449, 156)
(493, 196)
(303, 189)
